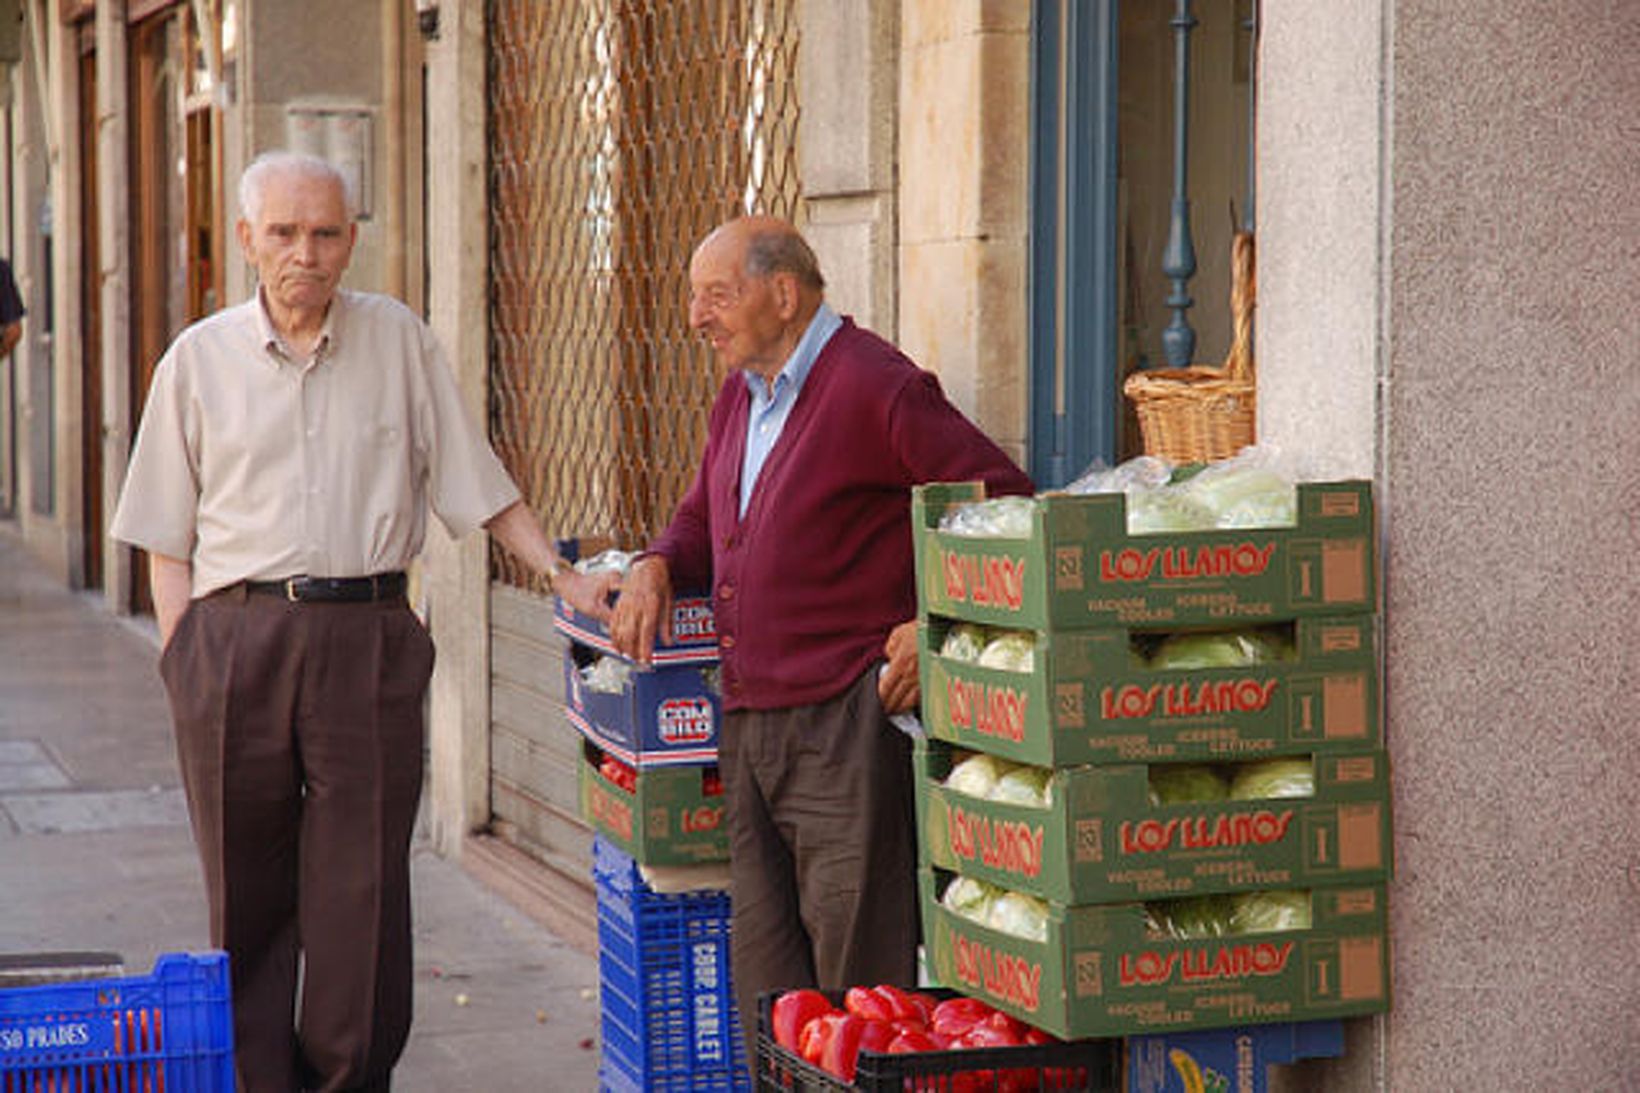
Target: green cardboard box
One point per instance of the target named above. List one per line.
(1101, 973)
(1101, 841)
(1080, 568)
(673, 818)
(1090, 701)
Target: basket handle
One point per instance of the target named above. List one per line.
(1243, 294)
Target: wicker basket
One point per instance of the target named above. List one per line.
(1201, 414)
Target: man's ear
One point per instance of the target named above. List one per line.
(242, 229)
(786, 295)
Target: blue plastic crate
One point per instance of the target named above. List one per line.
(668, 1009)
(167, 1032)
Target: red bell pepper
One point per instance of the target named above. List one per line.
(910, 1040)
(792, 1012)
(866, 1003)
(955, 1016)
(811, 1042)
(900, 1002)
(877, 1035)
(837, 1055)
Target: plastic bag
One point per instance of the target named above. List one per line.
(1145, 472)
(1024, 785)
(1269, 779)
(1019, 915)
(606, 675)
(1270, 911)
(964, 642)
(607, 561)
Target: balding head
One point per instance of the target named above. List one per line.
(754, 286)
(762, 245)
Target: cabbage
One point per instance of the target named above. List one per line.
(1272, 778)
(970, 898)
(1020, 915)
(1270, 912)
(1232, 649)
(1024, 785)
(1185, 783)
(1191, 918)
(977, 775)
(997, 518)
(1011, 651)
(964, 642)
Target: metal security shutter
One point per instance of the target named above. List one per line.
(620, 133)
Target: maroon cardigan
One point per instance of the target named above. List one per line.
(807, 587)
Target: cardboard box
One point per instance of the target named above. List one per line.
(694, 631)
(1089, 701)
(1101, 840)
(672, 818)
(1226, 1060)
(1100, 973)
(668, 714)
(1080, 568)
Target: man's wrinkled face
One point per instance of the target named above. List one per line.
(738, 315)
(301, 241)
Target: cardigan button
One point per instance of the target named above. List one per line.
(726, 591)
(727, 641)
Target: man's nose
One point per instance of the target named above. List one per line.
(699, 314)
(307, 248)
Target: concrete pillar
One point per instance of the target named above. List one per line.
(964, 220)
(847, 69)
(457, 576)
(114, 250)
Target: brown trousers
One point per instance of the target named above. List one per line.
(822, 848)
(300, 731)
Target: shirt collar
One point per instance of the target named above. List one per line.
(798, 365)
(270, 338)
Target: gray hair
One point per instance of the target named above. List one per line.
(253, 184)
(782, 250)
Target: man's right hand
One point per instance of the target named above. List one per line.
(644, 609)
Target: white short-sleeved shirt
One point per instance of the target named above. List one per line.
(253, 464)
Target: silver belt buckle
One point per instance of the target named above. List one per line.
(290, 589)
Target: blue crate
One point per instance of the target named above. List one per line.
(171, 1030)
(668, 1009)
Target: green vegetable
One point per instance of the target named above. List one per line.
(1192, 918)
(1012, 651)
(1273, 778)
(1025, 785)
(1245, 497)
(977, 775)
(1185, 783)
(964, 641)
(1271, 911)
(1231, 649)
(1020, 915)
(970, 898)
(1156, 512)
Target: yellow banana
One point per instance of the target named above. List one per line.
(1190, 1073)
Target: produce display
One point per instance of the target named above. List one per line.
(1252, 490)
(889, 1019)
(991, 905)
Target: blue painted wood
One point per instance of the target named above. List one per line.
(1074, 347)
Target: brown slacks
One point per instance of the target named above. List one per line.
(822, 848)
(299, 730)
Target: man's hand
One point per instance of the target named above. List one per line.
(898, 686)
(644, 609)
(588, 593)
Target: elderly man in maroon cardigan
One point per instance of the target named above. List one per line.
(799, 522)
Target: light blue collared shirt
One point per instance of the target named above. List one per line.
(772, 404)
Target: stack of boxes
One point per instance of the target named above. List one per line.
(649, 787)
(1099, 715)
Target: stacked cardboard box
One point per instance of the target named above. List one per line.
(648, 776)
(1096, 711)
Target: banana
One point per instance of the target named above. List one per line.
(1190, 1073)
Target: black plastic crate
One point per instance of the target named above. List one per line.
(1077, 1066)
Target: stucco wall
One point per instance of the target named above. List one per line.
(1448, 246)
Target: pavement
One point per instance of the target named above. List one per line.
(96, 855)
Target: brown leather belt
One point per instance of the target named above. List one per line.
(380, 586)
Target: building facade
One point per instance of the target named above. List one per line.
(1447, 250)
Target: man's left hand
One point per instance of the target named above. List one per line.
(898, 686)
